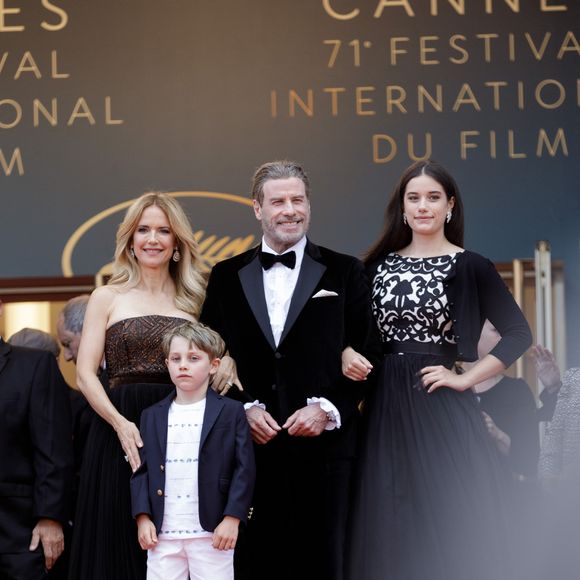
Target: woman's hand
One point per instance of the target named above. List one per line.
(130, 442)
(354, 365)
(440, 376)
(226, 376)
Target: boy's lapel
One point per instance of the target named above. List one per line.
(213, 406)
(161, 420)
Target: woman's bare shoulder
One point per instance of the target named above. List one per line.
(103, 301)
(104, 295)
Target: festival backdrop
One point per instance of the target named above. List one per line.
(101, 101)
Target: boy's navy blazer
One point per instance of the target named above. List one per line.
(226, 468)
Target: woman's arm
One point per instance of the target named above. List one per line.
(497, 304)
(89, 358)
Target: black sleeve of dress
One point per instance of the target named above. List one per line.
(362, 331)
(498, 305)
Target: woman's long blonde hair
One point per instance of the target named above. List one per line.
(189, 283)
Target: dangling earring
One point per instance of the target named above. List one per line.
(448, 216)
(404, 219)
(132, 252)
(176, 255)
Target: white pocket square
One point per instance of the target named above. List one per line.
(324, 294)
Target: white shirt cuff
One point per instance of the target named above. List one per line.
(255, 403)
(330, 410)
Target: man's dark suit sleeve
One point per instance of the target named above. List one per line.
(50, 427)
(244, 475)
(212, 315)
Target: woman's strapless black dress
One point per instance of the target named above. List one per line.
(105, 545)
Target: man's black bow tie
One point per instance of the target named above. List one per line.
(268, 260)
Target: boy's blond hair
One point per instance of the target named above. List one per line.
(200, 336)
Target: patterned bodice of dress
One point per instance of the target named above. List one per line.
(133, 349)
(409, 300)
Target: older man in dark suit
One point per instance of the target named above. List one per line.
(36, 461)
(286, 311)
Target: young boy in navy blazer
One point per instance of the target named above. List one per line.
(197, 472)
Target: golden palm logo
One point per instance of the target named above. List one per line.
(214, 247)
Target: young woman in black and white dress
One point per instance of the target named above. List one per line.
(430, 492)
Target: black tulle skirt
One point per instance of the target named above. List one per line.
(431, 493)
(105, 545)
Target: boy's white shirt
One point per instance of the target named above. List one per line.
(181, 512)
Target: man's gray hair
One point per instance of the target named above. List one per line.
(283, 169)
(35, 338)
(73, 313)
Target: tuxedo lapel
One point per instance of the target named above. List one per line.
(252, 282)
(311, 272)
(4, 350)
(213, 407)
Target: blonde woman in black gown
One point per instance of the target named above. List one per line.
(156, 286)
(431, 492)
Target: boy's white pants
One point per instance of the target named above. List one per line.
(176, 559)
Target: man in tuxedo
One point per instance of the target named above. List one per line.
(286, 310)
(36, 466)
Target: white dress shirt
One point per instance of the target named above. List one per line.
(279, 285)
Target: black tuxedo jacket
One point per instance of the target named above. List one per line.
(307, 360)
(226, 469)
(36, 465)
